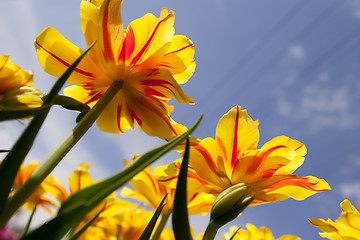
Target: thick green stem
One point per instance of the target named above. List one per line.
(161, 226)
(23, 193)
(211, 231)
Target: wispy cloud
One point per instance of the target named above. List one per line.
(351, 190)
(354, 7)
(321, 104)
(296, 51)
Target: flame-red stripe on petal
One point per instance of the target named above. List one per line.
(87, 74)
(140, 54)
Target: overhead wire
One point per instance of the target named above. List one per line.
(259, 45)
(344, 43)
(305, 32)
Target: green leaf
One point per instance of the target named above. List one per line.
(74, 209)
(234, 234)
(45, 168)
(180, 218)
(86, 226)
(150, 227)
(23, 113)
(30, 218)
(13, 160)
(69, 103)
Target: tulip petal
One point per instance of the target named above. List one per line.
(278, 188)
(110, 32)
(152, 116)
(204, 159)
(147, 189)
(80, 179)
(160, 85)
(53, 186)
(11, 75)
(90, 15)
(151, 36)
(78, 93)
(131, 56)
(347, 226)
(56, 54)
(168, 175)
(179, 59)
(116, 117)
(277, 157)
(236, 132)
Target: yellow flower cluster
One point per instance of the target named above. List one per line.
(347, 226)
(16, 91)
(254, 233)
(152, 62)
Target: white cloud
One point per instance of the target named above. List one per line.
(296, 51)
(351, 190)
(355, 160)
(354, 7)
(320, 104)
(9, 131)
(323, 101)
(285, 108)
(324, 77)
(327, 107)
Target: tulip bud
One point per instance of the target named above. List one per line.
(230, 203)
(21, 97)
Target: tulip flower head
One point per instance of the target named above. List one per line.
(11, 75)
(50, 193)
(168, 234)
(149, 189)
(107, 222)
(229, 204)
(21, 97)
(146, 56)
(16, 89)
(347, 226)
(233, 158)
(254, 233)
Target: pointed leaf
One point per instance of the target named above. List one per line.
(13, 160)
(234, 234)
(74, 209)
(150, 227)
(86, 226)
(180, 219)
(30, 218)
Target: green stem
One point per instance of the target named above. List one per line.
(30, 219)
(23, 193)
(211, 231)
(161, 226)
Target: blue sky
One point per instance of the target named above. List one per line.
(294, 65)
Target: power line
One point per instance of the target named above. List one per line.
(301, 35)
(344, 43)
(258, 46)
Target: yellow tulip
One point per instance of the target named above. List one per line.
(149, 189)
(253, 233)
(347, 226)
(49, 187)
(146, 56)
(11, 75)
(233, 158)
(16, 89)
